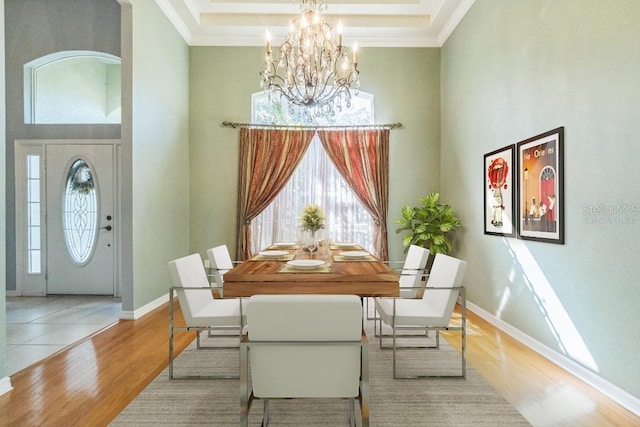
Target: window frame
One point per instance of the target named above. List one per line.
(29, 283)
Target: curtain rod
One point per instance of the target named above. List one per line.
(258, 126)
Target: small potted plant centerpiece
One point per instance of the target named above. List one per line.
(311, 222)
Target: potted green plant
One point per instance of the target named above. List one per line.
(428, 224)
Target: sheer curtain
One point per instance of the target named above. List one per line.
(267, 159)
(315, 181)
(362, 158)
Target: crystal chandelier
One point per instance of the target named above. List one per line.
(316, 70)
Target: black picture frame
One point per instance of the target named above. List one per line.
(541, 185)
(499, 192)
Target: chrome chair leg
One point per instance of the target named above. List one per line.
(375, 317)
(394, 349)
(198, 330)
(352, 413)
(245, 400)
(265, 413)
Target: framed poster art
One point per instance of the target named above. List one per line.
(499, 192)
(541, 187)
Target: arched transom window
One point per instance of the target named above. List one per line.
(72, 87)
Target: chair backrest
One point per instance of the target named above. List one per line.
(188, 272)
(305, 370)
(221, 262)
(413, 270)
(446, 272)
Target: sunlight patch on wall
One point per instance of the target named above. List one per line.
(503, 301)
(567, 336)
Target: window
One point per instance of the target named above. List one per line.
(315, 181)
(34, 227)
(80, 212)
(72, 87)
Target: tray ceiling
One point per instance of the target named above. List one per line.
(385, 23)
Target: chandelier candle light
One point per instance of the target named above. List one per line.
(317, 71)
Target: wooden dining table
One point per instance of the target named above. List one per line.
(366, 277)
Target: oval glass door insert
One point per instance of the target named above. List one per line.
(80, 212)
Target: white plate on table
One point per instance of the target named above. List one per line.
(345, 244)
(354, 254)
(273, 254)
(285, 244)
(305, 264)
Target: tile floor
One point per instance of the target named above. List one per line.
(37, 327)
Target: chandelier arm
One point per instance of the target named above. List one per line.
(277, 78)
(325, 82)
(269, 71)
(295, 94)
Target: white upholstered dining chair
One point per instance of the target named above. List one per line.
(304, 346)
(431, 312)
(220, 260)
(200, 309)
(412, 272)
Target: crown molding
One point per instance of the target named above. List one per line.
(242, 26)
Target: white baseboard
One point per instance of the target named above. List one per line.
(615, 393)
(136, 314)
(5, 385)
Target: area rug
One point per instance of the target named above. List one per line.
(434, 402)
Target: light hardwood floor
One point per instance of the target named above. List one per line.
(89, 383)
(38, 327)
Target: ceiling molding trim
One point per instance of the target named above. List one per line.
(452, 23)
(192, 26)
(174, 17)
(246, 39)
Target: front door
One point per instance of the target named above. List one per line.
(80, 219)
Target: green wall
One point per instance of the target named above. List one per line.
(406, 85)
(512, 70)
(158, 159)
